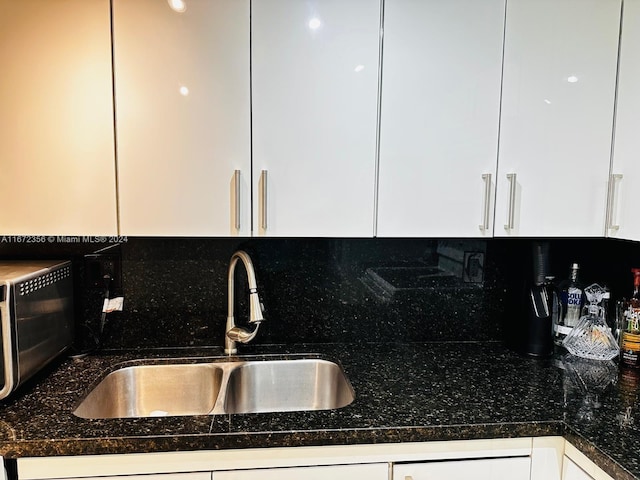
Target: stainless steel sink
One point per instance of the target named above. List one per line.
(280, 386)
(218, 387)
(154, 390)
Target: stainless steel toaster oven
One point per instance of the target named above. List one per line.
(36, 311)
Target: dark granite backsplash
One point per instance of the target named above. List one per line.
(325, 290)
(313, 290)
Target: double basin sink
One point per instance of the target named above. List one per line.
(215, 386)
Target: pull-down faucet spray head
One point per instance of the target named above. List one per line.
(255, 307)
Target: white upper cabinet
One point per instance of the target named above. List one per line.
(314, 116)
(56, 119)
(624, 221)
(441, 79)
(183, 116)
(557, 114)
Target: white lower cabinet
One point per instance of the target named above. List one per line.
(576, 466)
(539, 458)
(485, 469)
(376, 471)
(160, 476)
(585, 471)
(337, 462)
(571, 471)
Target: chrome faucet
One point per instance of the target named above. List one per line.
(235, 334)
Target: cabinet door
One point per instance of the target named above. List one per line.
(157, 476)
(314, 116)
(557, 114)
(56, 120)
(570, 471)
(182, 113)
(625, 181)
(442, 66)
(486, 469)
(376, 471)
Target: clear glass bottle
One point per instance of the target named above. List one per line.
(591, 338)
(630, 338)
(571, 299)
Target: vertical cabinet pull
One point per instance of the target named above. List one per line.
(511, 178)
(263, 199)
(484, 226)
(613, 181)
(236, 186)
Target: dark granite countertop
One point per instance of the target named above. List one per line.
(404, 393)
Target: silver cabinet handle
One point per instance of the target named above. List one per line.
(263, 199)
(511, 178)
(613, 181)
(236, 186)
(486, 177)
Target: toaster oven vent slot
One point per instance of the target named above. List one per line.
(45, 280)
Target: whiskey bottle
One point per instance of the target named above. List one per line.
(630, 342)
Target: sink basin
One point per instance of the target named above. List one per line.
(218, 387)
(154, 390)
(280, 386)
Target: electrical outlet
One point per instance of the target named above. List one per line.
(97, 265)
(473, 271)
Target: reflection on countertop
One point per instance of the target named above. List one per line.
(600, 410)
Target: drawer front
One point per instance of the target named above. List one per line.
(517, 468)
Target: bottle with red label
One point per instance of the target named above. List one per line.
(630, 339)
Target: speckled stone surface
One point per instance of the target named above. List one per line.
(314, 290)
(404, 392)
(325, 290)
(602, 422)
(373, 304)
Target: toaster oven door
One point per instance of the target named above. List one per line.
(7, 362)
(37, 325)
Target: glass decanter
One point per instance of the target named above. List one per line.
(592, 337)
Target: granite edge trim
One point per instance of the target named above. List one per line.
(13, 449)
(598, 456)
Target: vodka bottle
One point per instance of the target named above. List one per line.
(571, 299)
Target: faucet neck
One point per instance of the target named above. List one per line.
(251, 278)
(255, 308)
